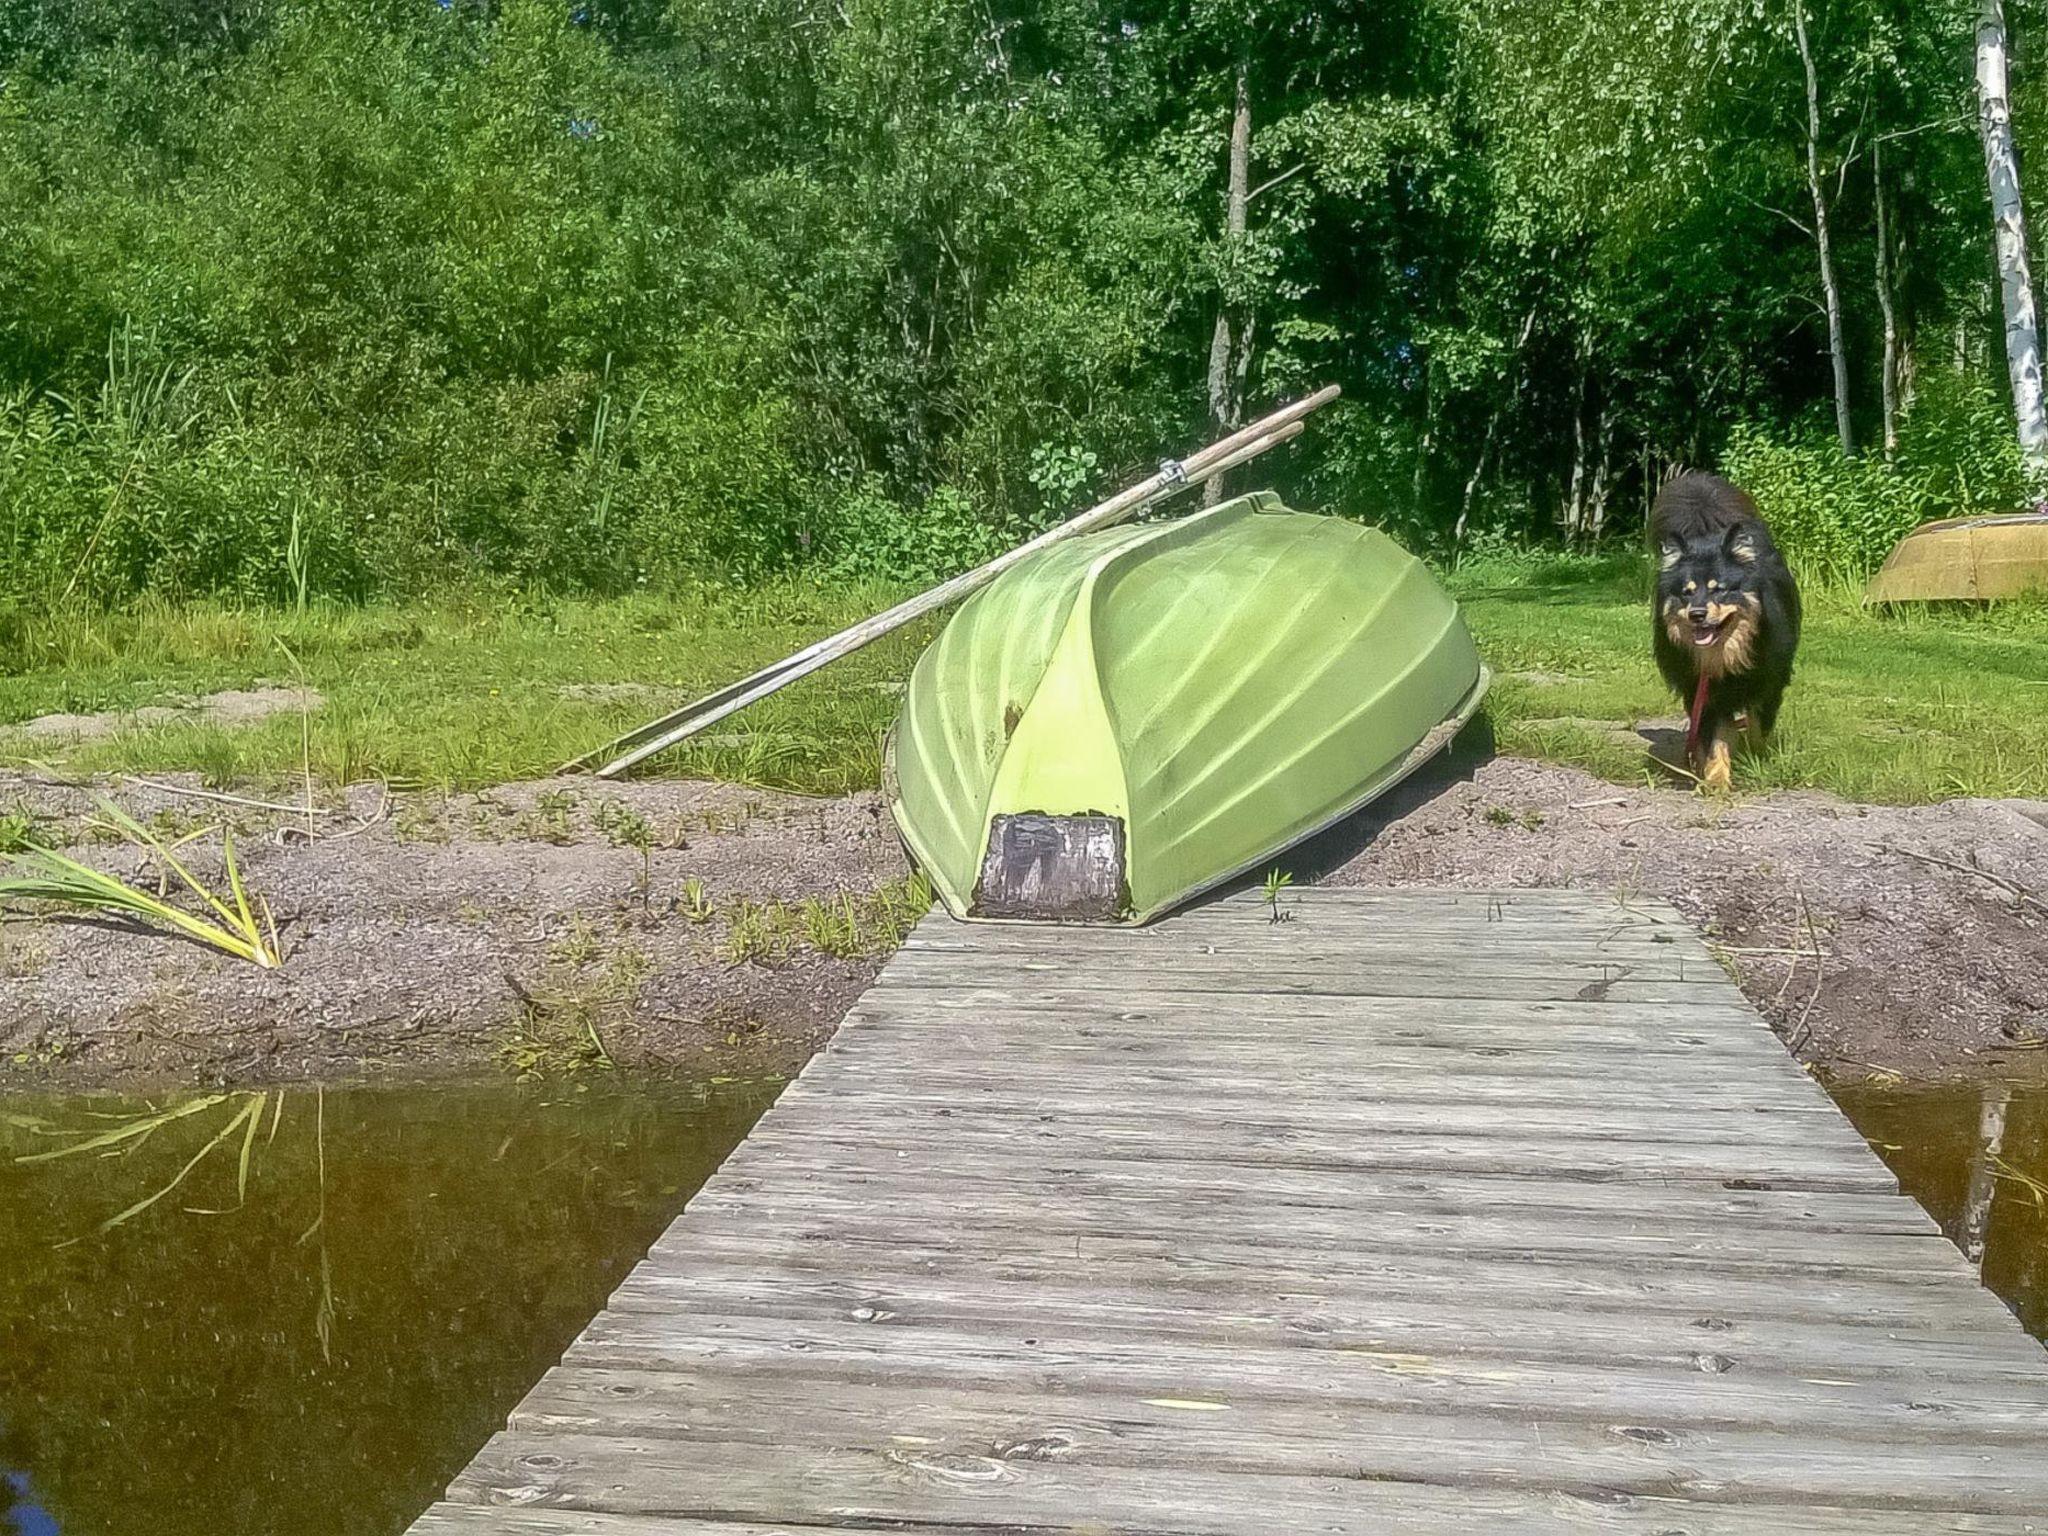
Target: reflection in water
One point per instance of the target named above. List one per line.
(1976, 1155)
(20, 1515)
(317, 1345)
(1985, 1157)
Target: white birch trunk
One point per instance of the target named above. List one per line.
(1823, 238)
(1889, 378)
(2009, 234)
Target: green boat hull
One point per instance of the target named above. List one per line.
(1134, 716)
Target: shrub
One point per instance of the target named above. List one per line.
(1837, 518)
(867, 534)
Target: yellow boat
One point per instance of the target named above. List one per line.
(1966, 559)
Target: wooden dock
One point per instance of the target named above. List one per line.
(1417, 1212)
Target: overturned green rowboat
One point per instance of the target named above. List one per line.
(1134, 716)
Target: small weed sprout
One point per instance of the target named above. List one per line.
(622, 826)
(1277, 880)
(756, 933)
(695, 905)
(17, 831)
(579, 946)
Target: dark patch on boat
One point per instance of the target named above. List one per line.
(1054, 868)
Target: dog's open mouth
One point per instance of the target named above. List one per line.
(1706, 632)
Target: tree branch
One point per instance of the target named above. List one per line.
(1267, 186)
(1794, 220)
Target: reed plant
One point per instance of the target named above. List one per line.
(229, 923)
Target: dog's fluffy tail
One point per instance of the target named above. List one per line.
(1698, 506)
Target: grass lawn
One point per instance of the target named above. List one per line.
(472, 690)
(1899, 707)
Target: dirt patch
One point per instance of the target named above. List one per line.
(614, 693)
(539, 927)
(232, 707)
(1929, 963)
(548, 926)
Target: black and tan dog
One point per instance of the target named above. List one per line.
(1727, 615)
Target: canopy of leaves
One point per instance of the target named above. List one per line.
(601, 292)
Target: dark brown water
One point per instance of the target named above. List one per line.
(1977, 1157)
(320, 1357)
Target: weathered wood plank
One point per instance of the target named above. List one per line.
(1304, 1438)
(820, 1215)
(852, 1485)
(1902, 1301)
(1370, 1321)
(1361, 1195)
(1791, 1166)
(1419, 1212)
(1252, 1116)
(1405, 1078)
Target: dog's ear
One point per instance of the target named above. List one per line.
(1742, 545)
(1668, 553)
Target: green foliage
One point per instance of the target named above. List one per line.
(336, 300)
(1837, 518)
(45, 876)
(868, 534)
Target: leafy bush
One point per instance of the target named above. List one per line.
(867, 534)
(1957, 446)
(1837, 518)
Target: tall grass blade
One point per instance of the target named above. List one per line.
(45, 875)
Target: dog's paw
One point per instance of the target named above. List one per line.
(1718, 775)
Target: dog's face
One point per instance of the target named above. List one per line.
(1707, 600)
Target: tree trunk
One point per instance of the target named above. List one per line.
(1478, 474)
(1596, 498)
(1831, 288)
(2009, 235)
(1983, 1185)
(1419, 484)
(1578, 514)
(1575, 496)
(1472, 480)
(1230, 347)
(1889, 374)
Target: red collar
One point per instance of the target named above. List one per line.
(1692, 723)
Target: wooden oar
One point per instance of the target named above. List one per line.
(1227, 453)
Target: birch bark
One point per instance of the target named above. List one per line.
(2009, 234)
(1823, 237)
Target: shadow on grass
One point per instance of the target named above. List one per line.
(1558, 582)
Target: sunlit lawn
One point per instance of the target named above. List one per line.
(473, 689)
(1898, 707)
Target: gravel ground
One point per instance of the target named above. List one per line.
(524, 928)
